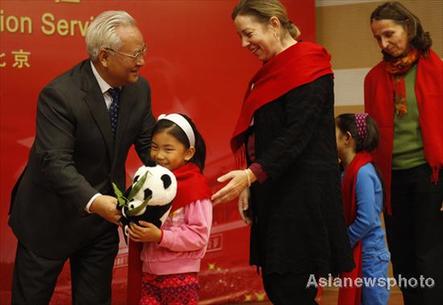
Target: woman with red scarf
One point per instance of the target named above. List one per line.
(285, 138)
(404, 94)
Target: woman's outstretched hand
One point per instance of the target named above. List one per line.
(239, 181)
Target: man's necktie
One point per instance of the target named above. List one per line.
(113, 109)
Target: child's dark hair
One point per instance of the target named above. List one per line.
(347, 122)
(174, 130)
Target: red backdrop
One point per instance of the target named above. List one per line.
(195, 65)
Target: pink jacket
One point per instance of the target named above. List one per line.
(185, 238)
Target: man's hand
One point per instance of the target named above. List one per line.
(106, 207)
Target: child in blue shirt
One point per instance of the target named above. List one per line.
(356, 136)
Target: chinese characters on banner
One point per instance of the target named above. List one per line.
(18, 59)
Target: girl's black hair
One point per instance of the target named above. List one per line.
(346, 123)
(394, 10)
(174, 130)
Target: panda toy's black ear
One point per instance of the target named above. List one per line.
(150, 163)
(148, 193)
(130, 204)
(167, 181)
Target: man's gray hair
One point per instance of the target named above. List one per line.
(101, 32)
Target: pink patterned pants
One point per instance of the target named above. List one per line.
(171, 289)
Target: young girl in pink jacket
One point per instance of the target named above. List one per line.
(171, 255)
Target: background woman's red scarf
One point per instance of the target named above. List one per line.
(191, 186)
(398, 67)
(379, 93)
(352, 295)
(299, 64)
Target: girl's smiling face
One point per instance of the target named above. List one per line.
(169, 152)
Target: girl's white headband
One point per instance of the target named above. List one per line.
(181, 122)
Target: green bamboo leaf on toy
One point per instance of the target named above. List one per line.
(137, 186)
(121, 199)
(138, 209)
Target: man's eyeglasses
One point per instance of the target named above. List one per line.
(135, 57)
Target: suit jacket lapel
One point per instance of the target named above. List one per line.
(96, 103)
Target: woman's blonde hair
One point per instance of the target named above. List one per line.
(263, 10)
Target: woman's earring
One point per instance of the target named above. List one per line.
(275, 36)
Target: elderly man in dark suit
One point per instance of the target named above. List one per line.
(63, 205)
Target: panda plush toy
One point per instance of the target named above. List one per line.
(149, 198)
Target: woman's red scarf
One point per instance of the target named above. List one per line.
(379, 103)
(398, 68)
(352, 295)
(191, 186)
(299, 64)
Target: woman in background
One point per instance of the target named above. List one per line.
(404, 95)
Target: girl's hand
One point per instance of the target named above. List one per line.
(441, 209)
(243, 205)
(239, 180)
(145, 232)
